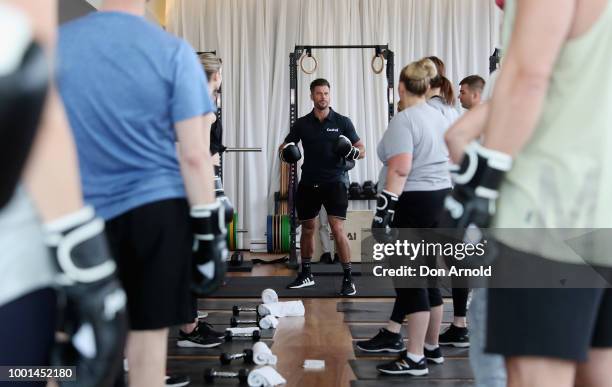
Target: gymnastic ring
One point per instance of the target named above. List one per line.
(316, 64)
(382, 63)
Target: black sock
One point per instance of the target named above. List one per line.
(306, 265)
(346, 267)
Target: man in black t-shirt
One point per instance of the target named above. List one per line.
(331, 146)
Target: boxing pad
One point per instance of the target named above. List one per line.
(209, 248)
(228, 207)
(93, 303)
(24, 79)
(477, 180)
(290, 153)
(345, 149)
(500, 4)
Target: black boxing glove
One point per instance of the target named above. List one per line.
(94, 314)
(345, 149)
(472, 203)
(209, 248)
(290, 153)
(24, 78)
(386, 204)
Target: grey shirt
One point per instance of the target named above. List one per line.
(419, 131)
(449, 112)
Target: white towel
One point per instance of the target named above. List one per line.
(268, 322)
(282, 309)
(246, 330)
(262, 355)
(265, 377)
(269, 296)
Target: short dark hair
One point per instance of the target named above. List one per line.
(319, 82)
(474, 82)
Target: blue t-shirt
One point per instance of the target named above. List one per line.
(125, 83)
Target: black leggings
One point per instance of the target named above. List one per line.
(28, 332)
(460, 297)
(417, 209)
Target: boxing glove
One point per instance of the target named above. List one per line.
(386, 204)
(476, 188)
(290, 153)
(209, 248)
(345, 149)
(24, 79)
(93, 303)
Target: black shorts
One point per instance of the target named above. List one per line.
(152, 245)
(556, 323)
(310, 198)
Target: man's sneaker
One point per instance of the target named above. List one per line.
(177, 380)
(384, 341)
(199, 338)
(302, 281)
(348, 287)
(207, 329)
(434, 356)
(455, 336)
(404, 366)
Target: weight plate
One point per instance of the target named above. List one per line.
(269, 235)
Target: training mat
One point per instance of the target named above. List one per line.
(454, 369)
(194, 368)
(226, 305)
(447, 352)
(326, 286)
(233, 346)
(334, 269)
(366, 331)
(417, 382)
(264, 333)
(382, 317)
(246, 267)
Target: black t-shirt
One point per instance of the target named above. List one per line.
(321, 164)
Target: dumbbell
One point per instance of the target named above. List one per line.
(355, 191)
(246, 355)
(369, 190)
(237, 309)
(234, 322)
(255, 336)
(210, 375)
(236, 259)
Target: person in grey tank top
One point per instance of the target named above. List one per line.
(441, 95)
(413, 181)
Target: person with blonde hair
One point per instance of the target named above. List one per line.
(414, 181)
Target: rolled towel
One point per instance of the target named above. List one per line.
(262, 355)
(265, 377)
(268, 322)
(269, 296)
(245, 330)
(282, 309)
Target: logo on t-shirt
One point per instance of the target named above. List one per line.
(333, 129)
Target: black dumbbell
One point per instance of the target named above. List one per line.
(369, 190)
(255, 336)
(234, 322)
(237, 309)
(246, 355)
(210, 375)
(236, 259)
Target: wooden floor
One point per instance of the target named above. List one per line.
(321, 334)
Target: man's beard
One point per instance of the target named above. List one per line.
(321, 105)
